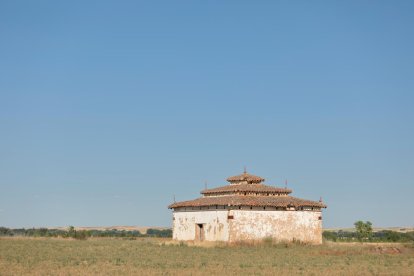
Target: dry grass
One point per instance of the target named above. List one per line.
(162, 257)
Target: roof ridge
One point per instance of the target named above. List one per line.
(244, 187)
(238, 200)
(245, 176)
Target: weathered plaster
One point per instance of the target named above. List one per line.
(216, 227)
(302, 226)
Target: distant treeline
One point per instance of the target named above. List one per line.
(380, 236)
(71, 232)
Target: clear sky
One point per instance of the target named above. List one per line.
(110, 108)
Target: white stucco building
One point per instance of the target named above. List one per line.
(246, 209)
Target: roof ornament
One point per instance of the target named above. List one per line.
(174, 198)
(205, 185)
(286, 182)
(320, 199)
(245, 171)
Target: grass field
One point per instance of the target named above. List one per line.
(47, 256)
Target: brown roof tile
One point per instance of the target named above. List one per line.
(260, 201)
(246, 177)
(260, 188)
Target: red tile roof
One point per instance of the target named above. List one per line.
(247, 190)
(259, 188)
(260, 201)
(246, 177)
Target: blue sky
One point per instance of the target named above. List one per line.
(108, 109)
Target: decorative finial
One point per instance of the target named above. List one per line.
(320, 199)
(174, 198)
(205, 185)
(245, 171)
(286, 183)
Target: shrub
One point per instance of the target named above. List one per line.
(165, 233)
(363, 230)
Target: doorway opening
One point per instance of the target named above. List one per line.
(199, 236)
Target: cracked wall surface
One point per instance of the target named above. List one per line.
(304, 226)
(301, 226)
(215, 224)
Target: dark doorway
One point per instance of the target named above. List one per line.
(199, 236)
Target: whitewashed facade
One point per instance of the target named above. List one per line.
(247, 210)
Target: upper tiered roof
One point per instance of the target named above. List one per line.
(248, 190)
(245, 178)
(246, 184)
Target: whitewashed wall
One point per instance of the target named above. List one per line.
(216, 227)
(302, 226)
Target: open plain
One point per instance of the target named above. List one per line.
(157, 256)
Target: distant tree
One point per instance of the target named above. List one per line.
(71, 232)
(159, 233)
(391, 236)
(363, 230)
(5, 231)
(330, 236)
(43, 232)
(81, 235)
